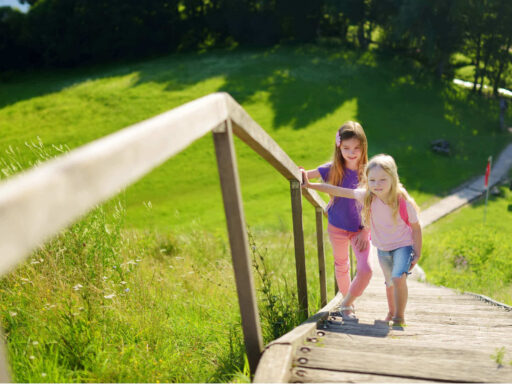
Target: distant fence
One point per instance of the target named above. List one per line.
(38, 203)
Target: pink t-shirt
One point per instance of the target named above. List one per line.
(389, 233)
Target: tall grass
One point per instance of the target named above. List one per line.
(463, 252)
(104, 303)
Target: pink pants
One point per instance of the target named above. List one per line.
(340, 240)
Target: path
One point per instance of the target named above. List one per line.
(470, 191)
(449, 337)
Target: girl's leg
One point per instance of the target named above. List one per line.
(339, 241)
(402, 258)
(386, 263)
(390, 295)
(364, 270)
(401, 293)
(363, 275)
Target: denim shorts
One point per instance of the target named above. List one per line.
(395, 263)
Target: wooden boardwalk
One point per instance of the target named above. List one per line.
(450, 337)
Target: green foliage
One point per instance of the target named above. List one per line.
(430, 31)
(463, 253)
(499, 356)
(298, 95)
(277, 303)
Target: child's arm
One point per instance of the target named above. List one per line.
(313, 174)
(417, 242)
(328, 188)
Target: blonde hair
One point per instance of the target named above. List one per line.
(349, 130)
(397, 191)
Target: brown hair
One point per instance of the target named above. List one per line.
(349, 130)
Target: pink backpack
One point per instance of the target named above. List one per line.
(403, 210)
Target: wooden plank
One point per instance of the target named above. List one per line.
(465, 369)
(415, 329)
(298, 239)
(275, 364)
(346, 342)
(265, 372)
(231, 196)
(308, 328)
(321, 255)
(311, 375)
(36, 204)
(407, 348)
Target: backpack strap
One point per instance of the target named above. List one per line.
(403, 210)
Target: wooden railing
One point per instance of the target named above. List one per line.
(38, 203)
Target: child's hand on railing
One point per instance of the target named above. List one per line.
(305, 180)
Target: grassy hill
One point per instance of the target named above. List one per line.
(125, 294)
(299, 95)
(462, 251)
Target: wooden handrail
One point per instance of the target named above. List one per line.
(38, 203)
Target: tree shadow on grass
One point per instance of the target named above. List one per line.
(401, 108)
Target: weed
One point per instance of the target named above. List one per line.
(498, 356)
(278, 310)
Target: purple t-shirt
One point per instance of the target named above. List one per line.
(343, 213)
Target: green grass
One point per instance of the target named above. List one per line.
(103, 304)
(463, 252)
(166, 241)
(465, 70)
(299, 95)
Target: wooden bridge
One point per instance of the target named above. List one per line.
(450, 337)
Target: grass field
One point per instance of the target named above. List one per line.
(299, 95)
(126, 294)
(463, 252)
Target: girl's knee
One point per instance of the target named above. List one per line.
(365, 274)
(400, 279)
(343, 268)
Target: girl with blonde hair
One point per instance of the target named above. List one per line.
(344, 228)
(393, 218)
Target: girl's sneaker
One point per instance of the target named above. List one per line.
(398, 322)
(348, 313)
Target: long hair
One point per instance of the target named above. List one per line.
(349, 130)
(397, 191)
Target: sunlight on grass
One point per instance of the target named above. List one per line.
(463, 252)
(299, 95)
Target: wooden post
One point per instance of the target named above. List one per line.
(230, 185)
(321, 255)
(298, 238)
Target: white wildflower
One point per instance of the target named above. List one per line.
(35, 343)
(111, 296)
(31, 357)
(13, 314)
(77, 287)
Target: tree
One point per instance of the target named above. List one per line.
(429, 30)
